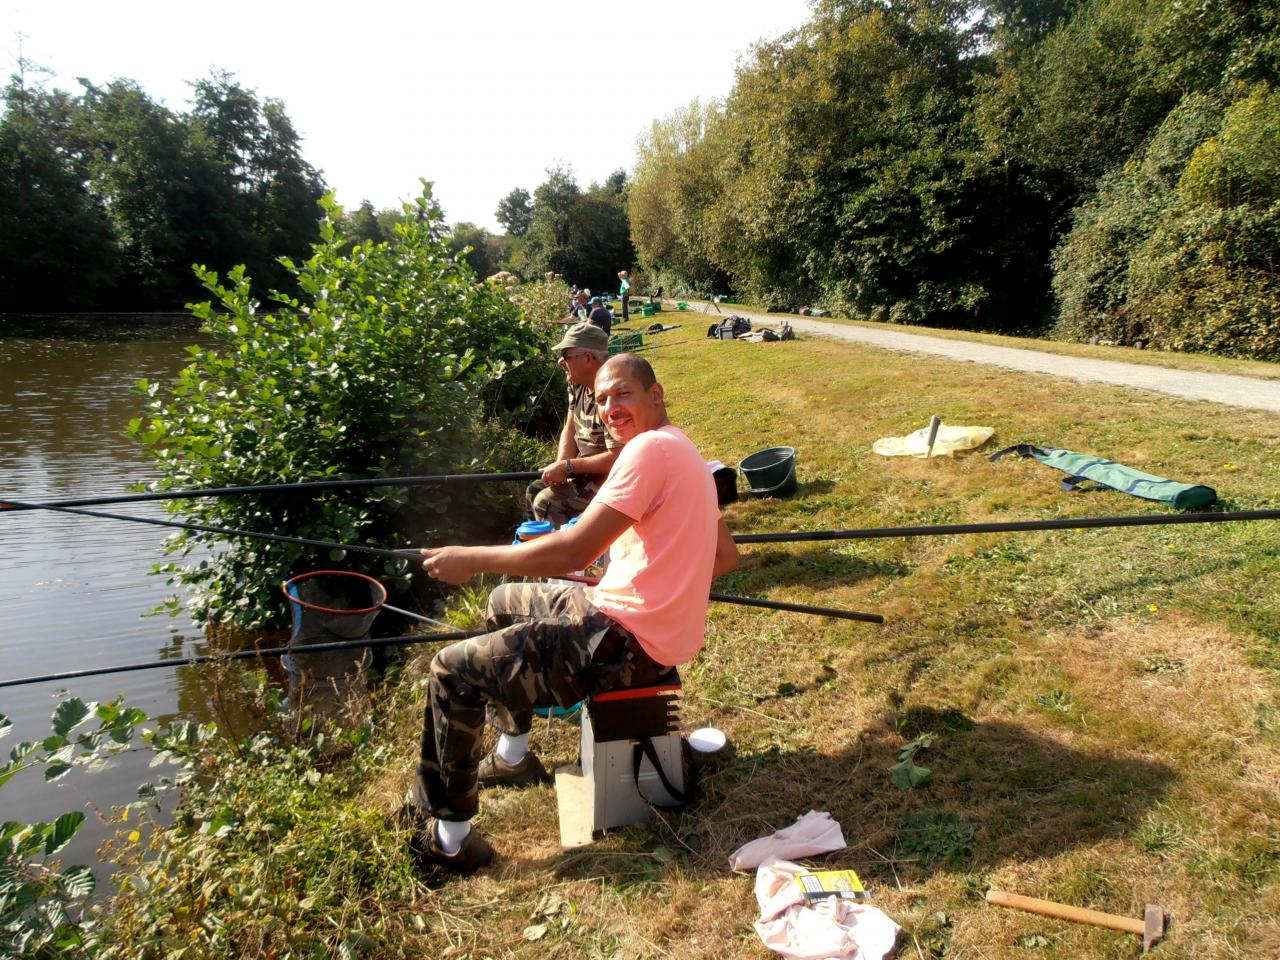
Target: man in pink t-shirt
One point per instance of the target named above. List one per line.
(554, 645)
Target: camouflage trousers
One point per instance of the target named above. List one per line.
(559, 504)
(548, 646)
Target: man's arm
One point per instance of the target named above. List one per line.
(727, 556)
(550, 556)
(596, 465)
(554, 473)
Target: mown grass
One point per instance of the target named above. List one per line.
(1160, 358)
(1103, 705)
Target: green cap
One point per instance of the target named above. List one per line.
(587, 336)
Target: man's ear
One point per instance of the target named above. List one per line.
(656, 392)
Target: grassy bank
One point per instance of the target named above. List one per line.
(1103, 705)
(1198, 362)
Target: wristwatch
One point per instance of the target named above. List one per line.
(568, 467)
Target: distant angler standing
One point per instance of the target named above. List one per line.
(624, 291)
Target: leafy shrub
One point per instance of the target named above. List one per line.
(271, 853)
(395, 361)
(1091, 265)
(39, 900)
(1178, 248)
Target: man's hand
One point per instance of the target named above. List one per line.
(556, 474)
(450, 564)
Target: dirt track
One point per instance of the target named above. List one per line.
(1237, 391)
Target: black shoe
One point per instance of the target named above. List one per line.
(474, 853)
(496, 772)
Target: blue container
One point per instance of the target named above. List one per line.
(533, 528)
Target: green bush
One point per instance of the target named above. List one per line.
(40, 901)
(394, 361)
(1178, 248)
(272, 852)
(1091, 265)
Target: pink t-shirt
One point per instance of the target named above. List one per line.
(660, 568)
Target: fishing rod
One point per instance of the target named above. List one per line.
(309, 648)
(948, 529)
(405, 554)
(659, 346)
(306, 485)
(766, 604)
(414, 554)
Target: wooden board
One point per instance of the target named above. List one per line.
(574, 805)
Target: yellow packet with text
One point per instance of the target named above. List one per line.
(822, 884)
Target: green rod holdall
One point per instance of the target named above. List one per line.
(1081, 467)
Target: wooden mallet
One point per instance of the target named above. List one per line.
(1152, 926)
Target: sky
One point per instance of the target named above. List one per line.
(479, 97)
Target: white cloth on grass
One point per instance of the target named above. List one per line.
(831, 929)
(810, 835)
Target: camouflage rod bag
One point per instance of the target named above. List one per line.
(1082, 468)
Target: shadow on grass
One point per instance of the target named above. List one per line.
(819, 567)
(999, 793)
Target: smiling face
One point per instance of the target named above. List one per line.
(627, 405)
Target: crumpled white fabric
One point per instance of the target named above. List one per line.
(831, 929)
(949, 440)
(810, 835)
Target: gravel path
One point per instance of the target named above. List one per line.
(1236, 391)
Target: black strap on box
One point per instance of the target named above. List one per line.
(644, 748)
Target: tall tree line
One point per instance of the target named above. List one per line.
(584, 235)
(108, 198)
(1096, 169)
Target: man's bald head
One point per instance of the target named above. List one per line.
(629, 397)
(633, 367)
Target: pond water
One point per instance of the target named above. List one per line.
(75, 591)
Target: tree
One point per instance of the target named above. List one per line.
(57, 248)
(362, 224)
(260, 201)
(515, 212)
(584, 236)
(676, 183)
(472, 244)
(140, 162)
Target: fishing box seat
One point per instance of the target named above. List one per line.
(604, 791)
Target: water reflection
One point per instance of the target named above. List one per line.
(74, 591)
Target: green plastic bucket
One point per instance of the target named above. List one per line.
(770, 473)
(681, 305)
(646, 310)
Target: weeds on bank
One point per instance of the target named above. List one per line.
(1101, 710)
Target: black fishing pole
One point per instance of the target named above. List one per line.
(660, 346)
(413, 554)
(248, 655)
(798, 608)
(766, 604)
(942, 530)
(307, 485)
(405, 554)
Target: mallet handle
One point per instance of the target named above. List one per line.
(1062, 911)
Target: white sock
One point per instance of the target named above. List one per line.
(452, 834)
(511, 749)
